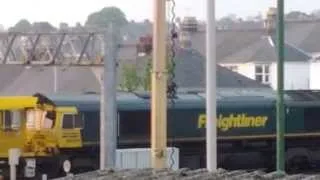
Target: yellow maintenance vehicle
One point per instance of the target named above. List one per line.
(36, 126)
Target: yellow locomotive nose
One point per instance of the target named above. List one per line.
(38, 128)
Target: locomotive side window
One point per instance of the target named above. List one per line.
(15, 119)
(134, 124)
(39, 119)
(312, 122)
(7, 118)
(71, 121)
(67, 121)
(10, 120)
(50, 117)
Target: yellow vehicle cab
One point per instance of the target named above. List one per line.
(40, 130)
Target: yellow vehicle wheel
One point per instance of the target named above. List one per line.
(65, 165)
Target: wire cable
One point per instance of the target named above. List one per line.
(172, 86)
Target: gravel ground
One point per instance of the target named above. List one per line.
(186, 174)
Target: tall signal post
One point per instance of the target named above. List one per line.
(159, 87)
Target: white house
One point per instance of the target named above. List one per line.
(252, 52)
(261, 65)
(261, 60)
(315, 73)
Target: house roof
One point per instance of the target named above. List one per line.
(243, 44)
(304, 35)
(228, 41)
(190, 73)
(8, 74)
(41, 79)
(264, 51)
(191, 68)
(245, 37)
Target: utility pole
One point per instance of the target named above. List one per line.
(108, 120)
(211, 127)
(159, 87)
(280, 99)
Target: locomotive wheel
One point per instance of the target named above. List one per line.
(57, 170)
(65, 164)
(297, 164)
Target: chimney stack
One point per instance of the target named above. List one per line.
(185, 39)
(188, 26)
(271, 20)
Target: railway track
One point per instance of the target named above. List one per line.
(187, 174)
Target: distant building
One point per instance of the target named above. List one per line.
(63, 26)
(250, 48)
(246, 56)
(190, 74)
(2, 28)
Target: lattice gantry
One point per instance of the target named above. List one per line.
(52, 48)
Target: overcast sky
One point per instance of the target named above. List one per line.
(72, 11)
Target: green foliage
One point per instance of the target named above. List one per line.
(169, 66)
(130, 79)
(147, 76)
(106, 16)
(147, 73)
(25, 26)
(22, 26)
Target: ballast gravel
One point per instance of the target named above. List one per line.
(186, 174)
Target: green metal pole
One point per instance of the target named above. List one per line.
(280, 99)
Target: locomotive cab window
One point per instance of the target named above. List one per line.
(10, 120)
(72, 121)
(39, 119)
(311, 115)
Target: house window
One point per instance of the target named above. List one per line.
(262, 73)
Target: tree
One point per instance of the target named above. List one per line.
(255, 18)
(63, 26)
(130, 80)
(107, 15)
(147, 76)
(22, 26)
(315, 14)
(228, 21)
(43, 26)
(297, 15)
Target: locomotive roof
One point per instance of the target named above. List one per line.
(194, 99)
(185, 99)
